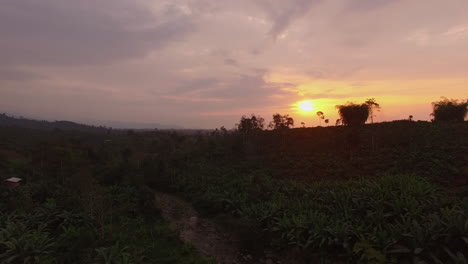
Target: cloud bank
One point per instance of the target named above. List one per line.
(204, 63)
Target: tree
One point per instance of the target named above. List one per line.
(281, 122)
(327, 121)
(449, 110)
(410, 118)
(373, 106)
(247, 125)
(223, 130)
(353, 114)
(302, 124)
(126, 154)
(320, 116)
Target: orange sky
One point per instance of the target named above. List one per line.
(204, 64)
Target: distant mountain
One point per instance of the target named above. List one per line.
(134, 125)
(10, 121)
(91, 126)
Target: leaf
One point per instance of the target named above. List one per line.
(451, 254)
(436, 260)
(417, 260)
(465, 239)
(399, 249)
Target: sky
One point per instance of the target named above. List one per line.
(205, 63)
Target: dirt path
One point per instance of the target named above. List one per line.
(209, 238)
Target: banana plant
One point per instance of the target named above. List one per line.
(117, 254)
(26, 248)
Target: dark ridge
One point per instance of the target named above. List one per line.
(22, 122)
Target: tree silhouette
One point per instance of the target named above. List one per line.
(410, 118)
(247, 125)
(327, 121)
(449, 110)
(281, 121)
(353, 114)
(223, 130)
(373, 106)
(303, 124)
(320, 116)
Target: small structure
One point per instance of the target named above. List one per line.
(13, 182)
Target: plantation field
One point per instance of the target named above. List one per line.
(391, 192)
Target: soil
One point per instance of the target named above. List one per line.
(210, 237)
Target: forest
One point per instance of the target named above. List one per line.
(354, 192)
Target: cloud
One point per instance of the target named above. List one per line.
(316, 96)
(231, 62)
(237, 92)
(283, 13)
(19, 75)
(366, 5)
(202, 63)
(53, 32)
(194, 86)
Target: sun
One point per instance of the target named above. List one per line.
(306, 106)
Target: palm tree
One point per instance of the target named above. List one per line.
(320, 116)
(373, 105)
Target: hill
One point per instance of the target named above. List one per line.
(10, 121)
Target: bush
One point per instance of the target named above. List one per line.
(353, 114)
(449, 110)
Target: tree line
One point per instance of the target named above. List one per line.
(353, 114)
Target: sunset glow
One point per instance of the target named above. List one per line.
(306, 106)
(204, 64)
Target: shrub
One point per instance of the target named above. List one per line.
(353, 114)
(449, 110)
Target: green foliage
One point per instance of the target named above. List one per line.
(22, 244)
(115, 254)
(50, 233)
(58, 217)
(337, 194)
(146, 243)
(74, 241)
(391, 218)
(368, 254)
(449, 110)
